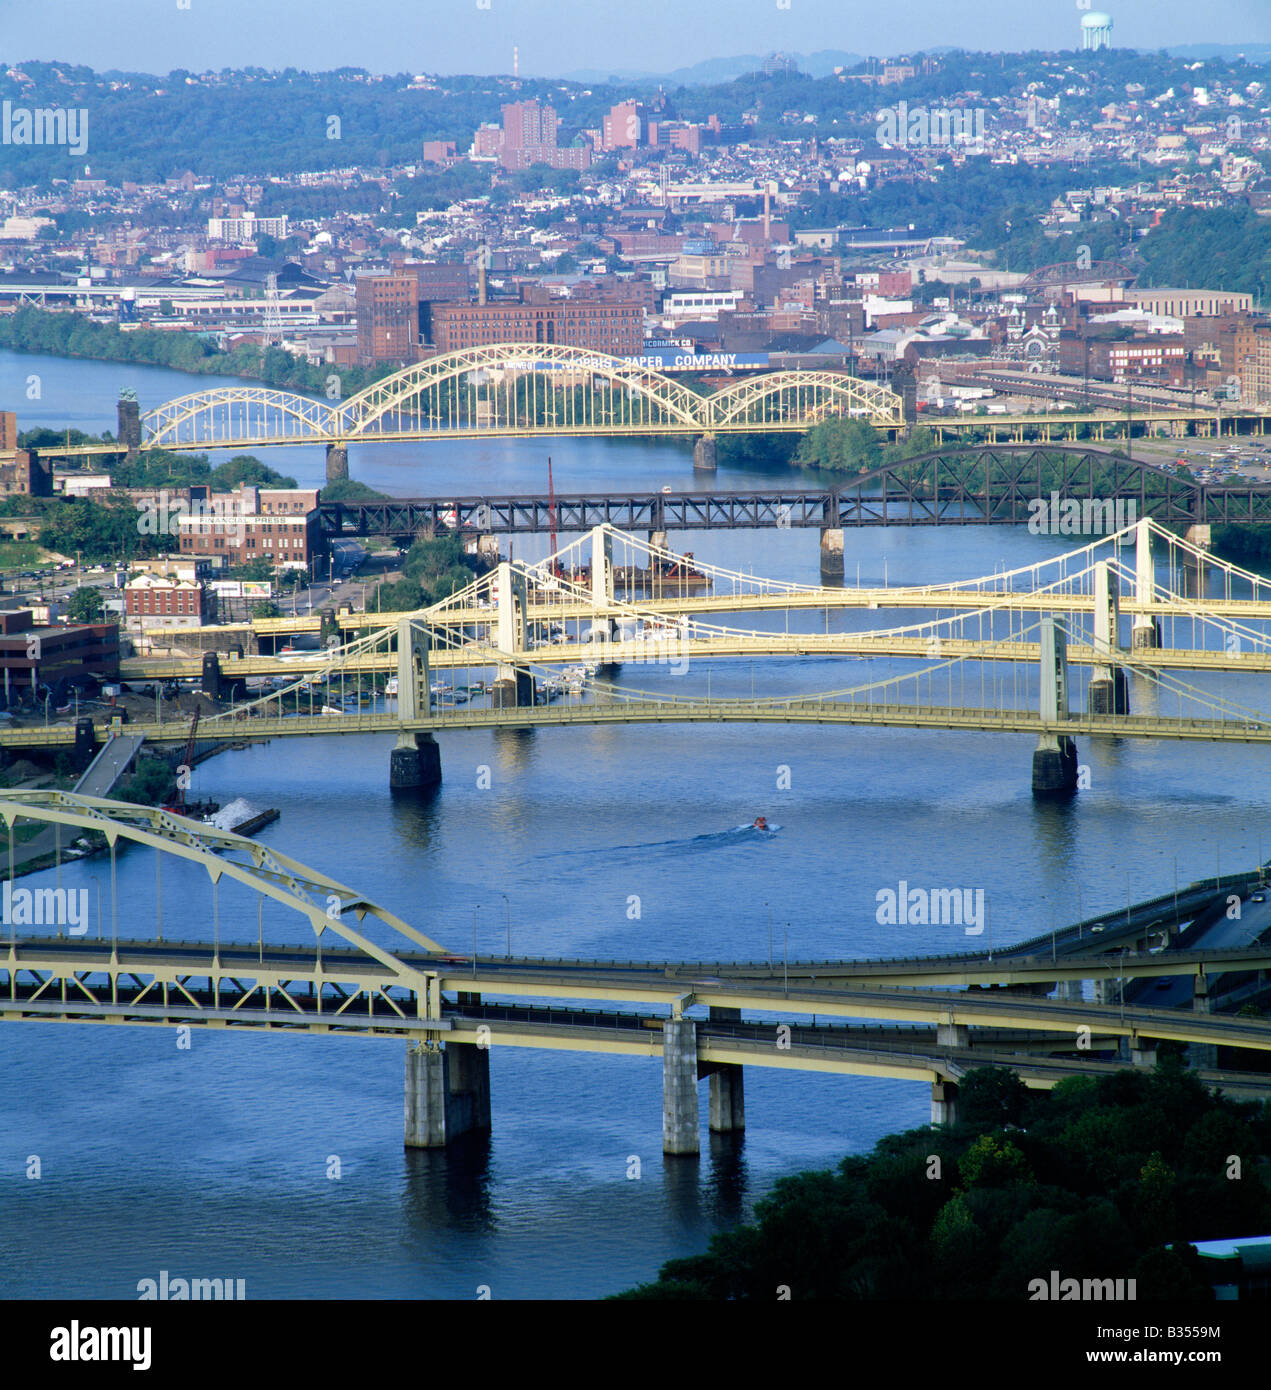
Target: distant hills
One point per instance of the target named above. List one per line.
(823, 63)
(714, 70)
(1254, 52)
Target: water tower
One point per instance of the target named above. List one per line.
(1096, 30)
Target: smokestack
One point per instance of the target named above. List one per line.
(516, 61)
(767, 212)
(482, 257)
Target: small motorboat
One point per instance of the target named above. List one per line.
(760, 823)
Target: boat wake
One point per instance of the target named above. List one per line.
(692, 844)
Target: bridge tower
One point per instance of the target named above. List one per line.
(415, 762)
(602, 588)
(905, 384)
(832, 540)
(1107, 692)
(1055, 757)
(513, 688)
(128, 416)
(1146, 633)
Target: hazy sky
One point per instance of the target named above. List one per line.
(555, 36)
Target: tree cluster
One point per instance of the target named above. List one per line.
(1094, 1179)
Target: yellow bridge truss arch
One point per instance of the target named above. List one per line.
(516, 389)
(325, 902)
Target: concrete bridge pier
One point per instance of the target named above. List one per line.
(704, 455)
(831, 552)
(1143, 1052)
(447, 1093)
(727, 1100)
(944, 1103)
(727, 1087)
(953, 1035)
(415, 763)
(1054, 766)
(679, 1087)
(1107, 692)
(488, 549)
(1201, 1054)
(512, 689)
(659, 540)
(337, 462)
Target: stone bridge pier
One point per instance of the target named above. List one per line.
(1055, 757)
(337, 462)
(832, 552)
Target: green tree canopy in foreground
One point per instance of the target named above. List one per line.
(1093, 1179)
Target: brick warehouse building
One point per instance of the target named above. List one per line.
(167, 601)
(280, 525)
(604, 327)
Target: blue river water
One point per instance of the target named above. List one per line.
(280, 1160)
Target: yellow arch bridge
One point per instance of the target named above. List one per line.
(515, 389)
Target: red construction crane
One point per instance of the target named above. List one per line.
(188, 764)
(551, 508)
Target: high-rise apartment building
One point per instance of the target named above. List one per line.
(625, 127)
(529, 137)
(527, 123)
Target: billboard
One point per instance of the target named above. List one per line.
(679, 360)
(243, 588)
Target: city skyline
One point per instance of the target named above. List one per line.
(566, 37)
